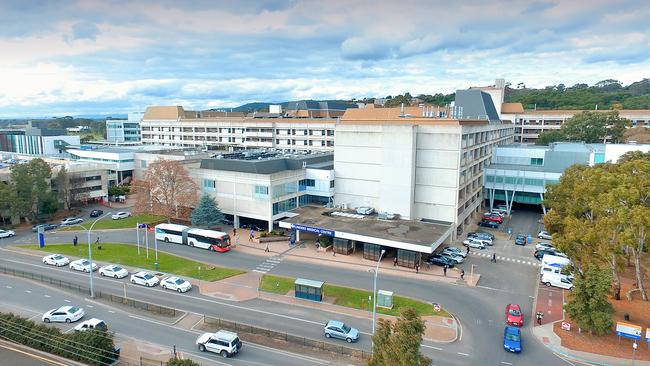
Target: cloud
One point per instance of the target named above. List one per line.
(538, 7)
(84, 30)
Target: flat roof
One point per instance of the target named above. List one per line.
(269, 165)
(412, 235)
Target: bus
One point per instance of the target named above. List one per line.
(215, 241)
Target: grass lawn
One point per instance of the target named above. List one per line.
(127, 255)
(351, 297)
(108, 223)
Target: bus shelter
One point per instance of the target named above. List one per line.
(309, 289)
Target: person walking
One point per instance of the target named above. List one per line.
(462, 274)
(395, 261)
(317, 244)
(267, 247)
(234, 231)
(444, 270)
(539, 316)
(251, 236)
(97, 241)
(494, 257)
(75, 241)
(468, 249)
(417, 268)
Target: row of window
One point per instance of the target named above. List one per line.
(230, 130)
(75, 157)
(520, 180)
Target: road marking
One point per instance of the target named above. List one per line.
(111, 311)
(263, 272)
(67, 300)
(32, 355)
(90, 306)
(436, 348)
(48, 296)
(506, 363)
(28, 291)
(9, 287)
(463, 354)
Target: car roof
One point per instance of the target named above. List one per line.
(94, 321)
(172, 278)
(512, 330)
(143, 273)
(225, 335)
(65, 308)
(514, 306)
(335, 323)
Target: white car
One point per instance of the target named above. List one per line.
(474, 243)
(453, 256)
(557, 280)
(541, 246)
(365, 210)
(144, 278)
(120, 215)
(66, 314)
(113, 270)
(56, 260)
(495, 212)
(82, 265)
(71, 221)
(175, 284)
(544, 235)
(455, 250)
(93, 323)
(6, 233)
(222, 342)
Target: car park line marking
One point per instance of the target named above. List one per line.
(463, 354)
(48, 296)
(111, 311)
(436, 348)
(67, 300)
(9, 287)
(506, 363)
(28, 291)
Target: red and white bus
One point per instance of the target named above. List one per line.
(212, 240)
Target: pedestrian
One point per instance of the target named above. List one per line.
(97, 241)
(494, 257)
(317, 243)
(462, 274)
(444, 270)
(234, 231)
(75, 241)
(539, 316)
(468, 249)
(267, 247)
(333, 252)
(251, 236)
(236, 241)
(395, 261)
(417, 268)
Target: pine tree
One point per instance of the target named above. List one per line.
(207, 213)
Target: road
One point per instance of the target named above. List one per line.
(480, 310)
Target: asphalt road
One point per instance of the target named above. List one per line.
(480, 310)
(11, 356)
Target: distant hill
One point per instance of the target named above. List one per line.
(264, 106)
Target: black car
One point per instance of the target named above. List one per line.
(440, 260)
(472, 234)
(46, 227)
(490, 224)
(96, 213)
(520, 239)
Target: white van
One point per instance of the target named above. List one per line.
(557, 280)
(553, 264)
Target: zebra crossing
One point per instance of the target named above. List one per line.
(268, 264)
(506, 259)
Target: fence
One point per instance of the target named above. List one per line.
(141, 361)
(161, 310)
(289, 338)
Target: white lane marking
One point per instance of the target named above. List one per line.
(28, 291)
(90, 306)
(255, 270)
(67, 300)
(462, 354)
(111, 311)
(9, 287)
(506, 363)
(48, 296)
(436, 348)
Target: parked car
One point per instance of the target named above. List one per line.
(365, 210)
(495, 212)
(490, 224)
(337, 329)
(514, 315)
(113, 270)
(175, 284)
(557, 280)
(144, 278)
(480, 234)
(46, 227)
(120, 215)
(71, 221)
(96, 213)
(552, 251)
(541, 246)
(6, 233)
(483, 239)
(66, 314)
(224, 343)
(543, 234)
(454, 257)
(440, 260)
(83, 265)
(495, 218)
(94, 323)
(512, 339)
(520, 239)
(455, 250)
(56, 260)
(473, 243)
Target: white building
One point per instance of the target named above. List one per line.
(37, 141)
(120, 130)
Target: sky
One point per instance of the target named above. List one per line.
(113, 57)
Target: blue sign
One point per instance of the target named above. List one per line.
(292, 238)
(41, 240)
(314, 230)
(628, 330)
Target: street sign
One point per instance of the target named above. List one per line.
(566, 326)
(628, 330)
(436, 307)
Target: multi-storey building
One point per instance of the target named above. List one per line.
(297, 130)
(124, 130)
(36, 141)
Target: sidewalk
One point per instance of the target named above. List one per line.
(544, 333)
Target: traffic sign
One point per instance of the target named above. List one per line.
(566, 326)
(628, 330)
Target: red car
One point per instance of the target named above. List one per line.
(493, 218)
(514, 315)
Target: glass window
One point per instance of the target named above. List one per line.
(209, 184)
(263, 190)
(331, 184)
(536, 161)
(143, 164)
(283, 206)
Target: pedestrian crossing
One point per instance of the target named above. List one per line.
(268, 264)
(506, 259)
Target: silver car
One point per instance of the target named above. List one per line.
(337, 329)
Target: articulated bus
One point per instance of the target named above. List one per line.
(215, 241)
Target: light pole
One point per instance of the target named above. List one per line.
(374, 293)
(90, 252)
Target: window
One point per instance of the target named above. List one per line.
(304, 183)
(261, 192)
(536, 161)
(143, 164)
(331, 184)
(209, 185)
(283, 206)
(284, 189)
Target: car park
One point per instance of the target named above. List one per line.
(512, 339)
(456, 258)
(56, 260)
(340, 330)
(224, 343)
(495, 218)
(120, 215)
(480, 234)
(557, 280)
(145, 279)
(96, 213)
(543, 234)
(6, 233)
(82, 265)
(94, 323)
(542, 246)
(45, 227)
(440, 260)
(514, 316)
(490, 224)
(455, 250)
(175, 283)
(113, 270)
(68, 314)
(71, 221)
(520, 239)
(473, 243)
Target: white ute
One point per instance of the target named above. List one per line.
(222, 342)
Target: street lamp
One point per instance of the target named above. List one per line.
(90, 252)
(374, 293)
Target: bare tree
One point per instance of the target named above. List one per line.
(166, 189)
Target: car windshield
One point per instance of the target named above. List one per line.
(512, 337)
(85, 263)
(147, 276)
(73, 310)
(514, 312)
(116, 268)
(179, 281)
(345, 328)
(58, 257)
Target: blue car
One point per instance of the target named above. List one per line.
(512, 339)
(520, 239)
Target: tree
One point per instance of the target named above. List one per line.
(550, 136)
(207, 213)
(166, 189)
(62, 182)
(588, 304)
(31, 183)
(593, 127)
(399, 344)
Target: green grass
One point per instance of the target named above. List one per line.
(351, 297)
(108, 223)
(127, 255)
